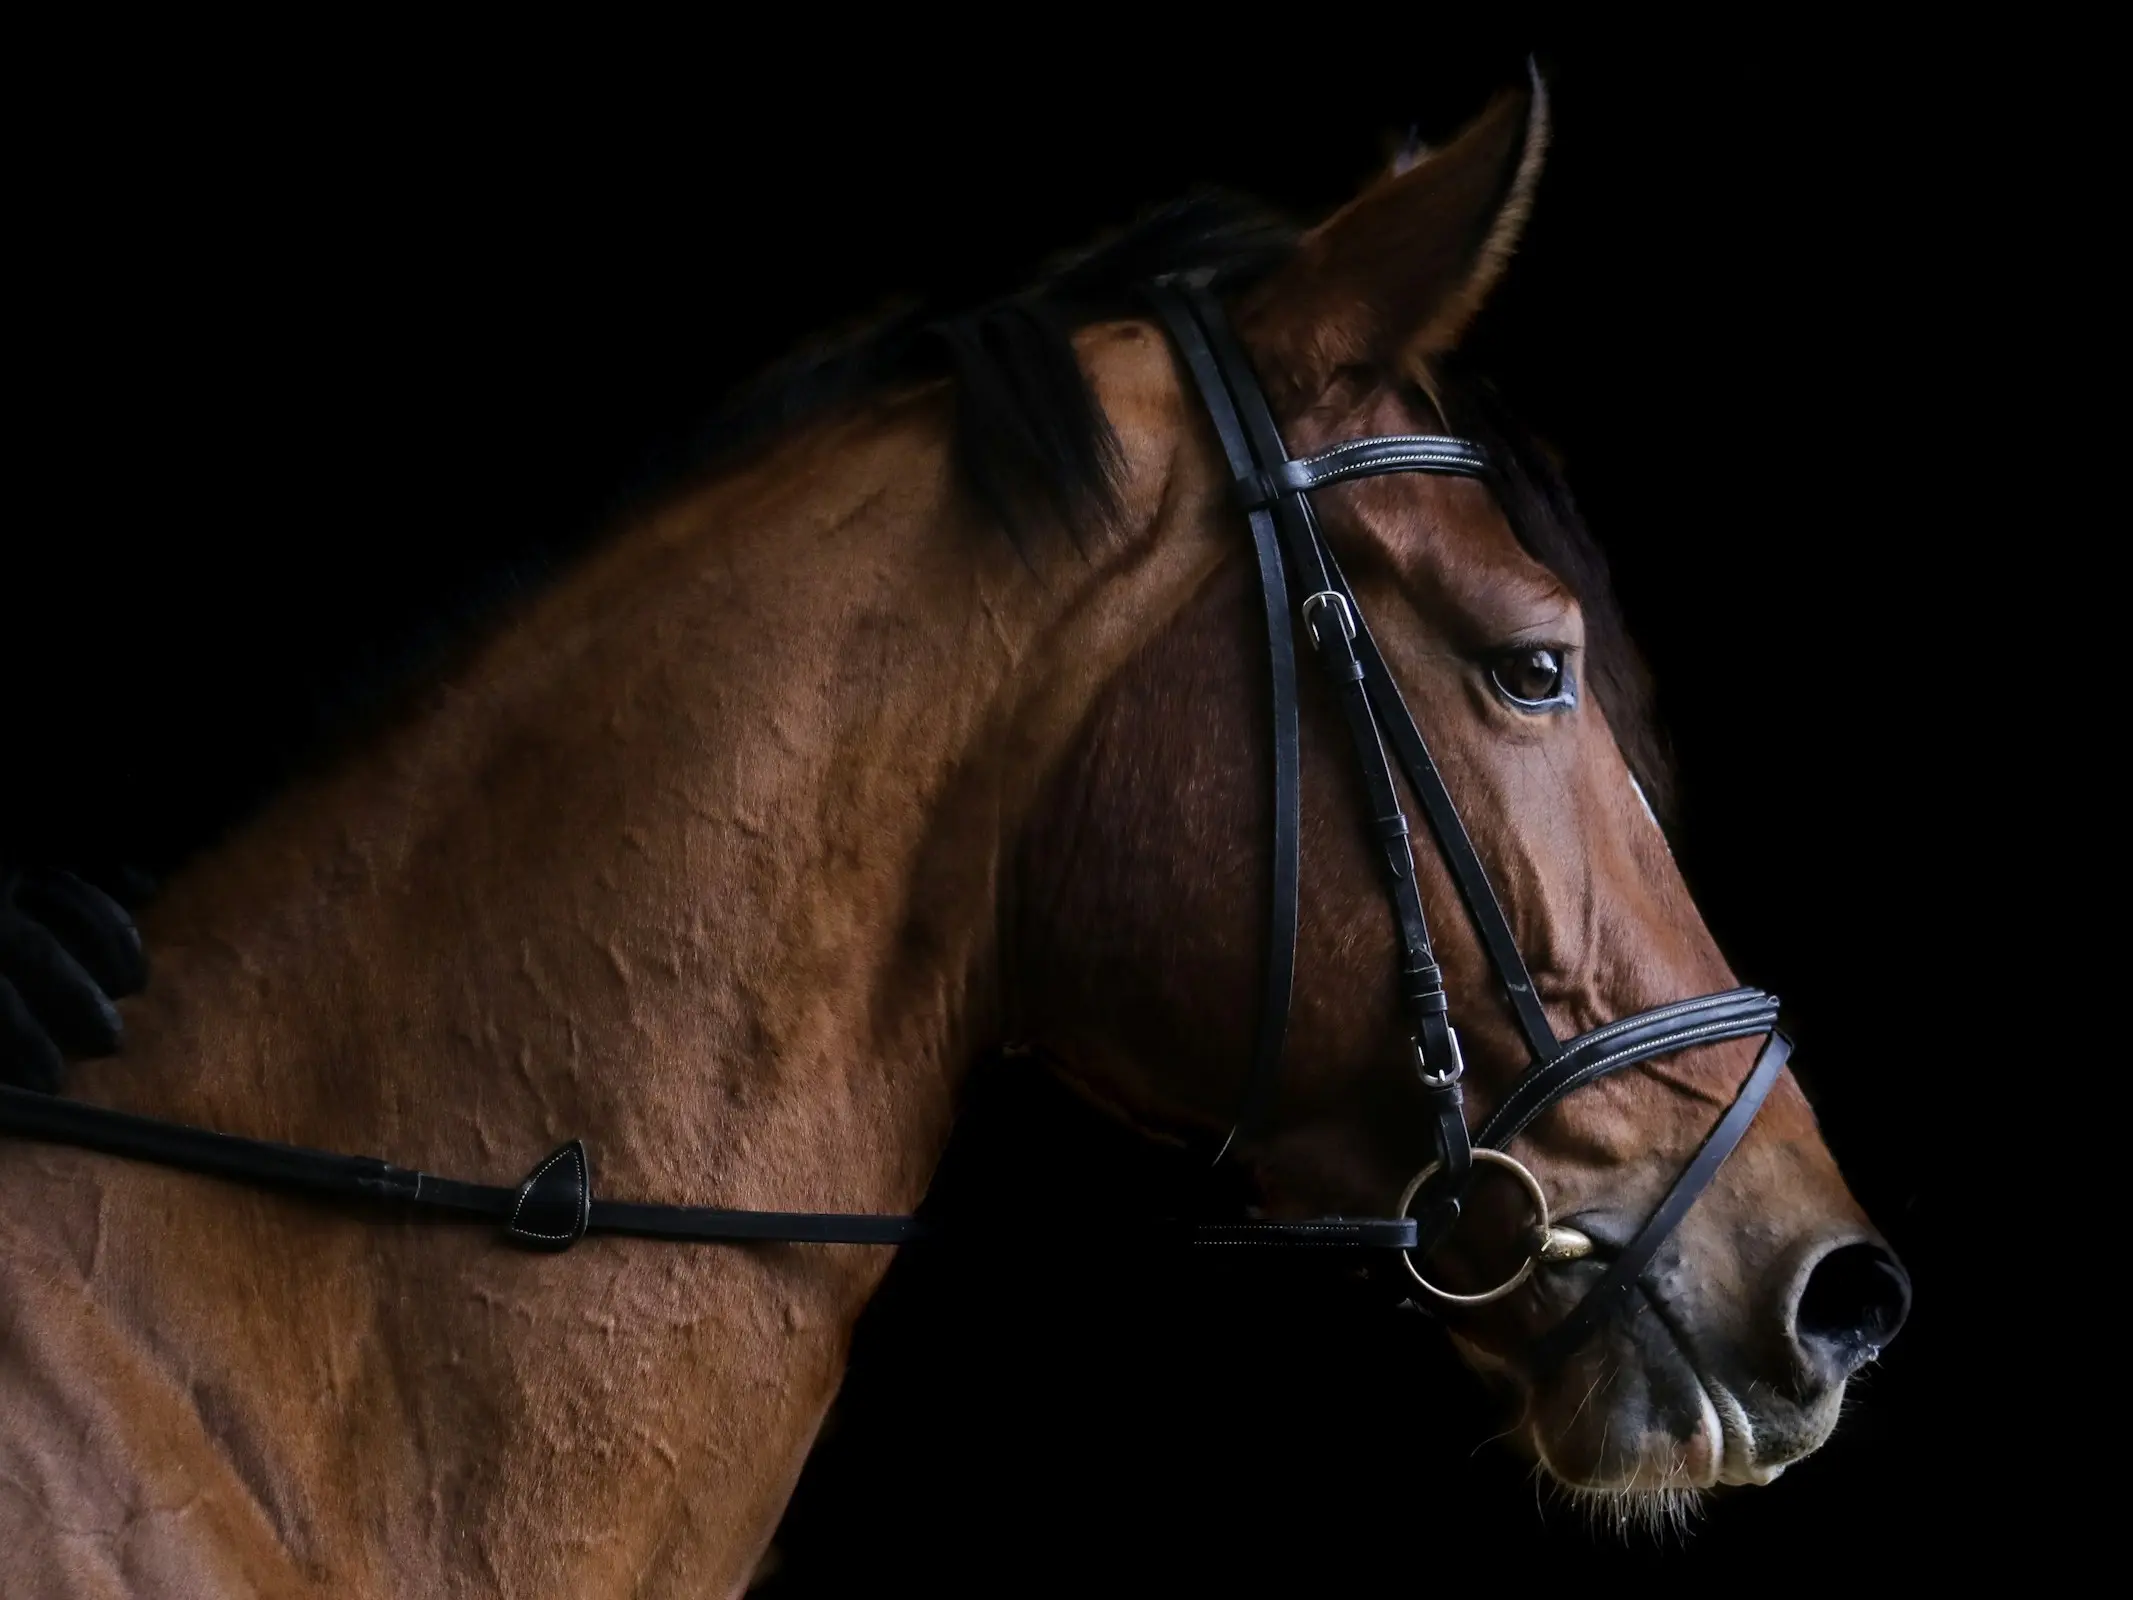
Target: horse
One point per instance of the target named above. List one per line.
(924, 720)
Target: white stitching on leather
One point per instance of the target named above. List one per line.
(567, 1153)
(1665, 1045)
(1587, 1043)
(1387, 463)
(1372, 455)
(1658, 1014)
(1606, 1031)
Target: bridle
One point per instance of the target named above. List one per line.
(554, 1206)
(1275, 492)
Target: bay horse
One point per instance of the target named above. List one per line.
(925, 722)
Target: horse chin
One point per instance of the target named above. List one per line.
(1633, 1467)
(1631, 1436)
(1634, 1432)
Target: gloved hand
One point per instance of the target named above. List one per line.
(67, 950)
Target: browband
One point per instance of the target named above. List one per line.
(1360, 458)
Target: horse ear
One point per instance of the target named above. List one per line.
(1398, 273)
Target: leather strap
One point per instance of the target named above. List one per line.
(1360, 458)
(1253, 447)
(1612, 1048)
(1279, 968)
(1611, 1294)
(554, 1206)
(1735, 1014)
(1453, 843)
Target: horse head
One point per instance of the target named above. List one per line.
(1143, 882)
(724, 856)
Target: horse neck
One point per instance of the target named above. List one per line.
(696, 859)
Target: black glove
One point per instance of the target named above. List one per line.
(67, 950)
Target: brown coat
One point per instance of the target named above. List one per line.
(727, 854)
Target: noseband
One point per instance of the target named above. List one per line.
(554, 1206)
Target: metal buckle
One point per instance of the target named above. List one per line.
(1340, 603)
(1541, 1231)
(1452, 1074)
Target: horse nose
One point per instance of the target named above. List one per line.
(1853, 1303)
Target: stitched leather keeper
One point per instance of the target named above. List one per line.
(554, 1204)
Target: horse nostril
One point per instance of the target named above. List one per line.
(1852, 1305)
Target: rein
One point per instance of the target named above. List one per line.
(554, 1207)
(1299, 579)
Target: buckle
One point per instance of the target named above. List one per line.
(1451, 1074)
(1340, 604)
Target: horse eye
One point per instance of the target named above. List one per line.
(1531, 678)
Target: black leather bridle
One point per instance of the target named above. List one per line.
(1294, 560)
(1299, 580)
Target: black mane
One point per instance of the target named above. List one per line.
(1030, 442)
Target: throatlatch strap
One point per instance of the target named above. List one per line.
(1279, 981)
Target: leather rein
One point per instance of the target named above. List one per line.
(1299, 580)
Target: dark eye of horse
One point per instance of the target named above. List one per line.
(1532, 679)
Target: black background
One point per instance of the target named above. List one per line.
(305, 358)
